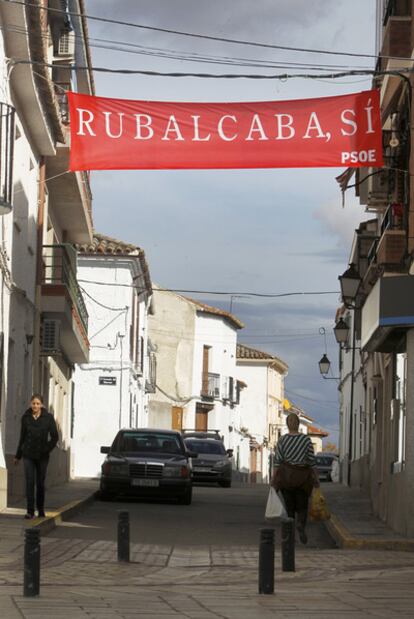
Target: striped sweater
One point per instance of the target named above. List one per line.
(295, 449)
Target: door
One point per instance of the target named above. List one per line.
(201, 420)
(177, 418)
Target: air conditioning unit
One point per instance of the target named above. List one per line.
(49, 336)
(66, 44)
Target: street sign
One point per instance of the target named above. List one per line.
(107, 380)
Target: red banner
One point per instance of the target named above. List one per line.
(114, 134)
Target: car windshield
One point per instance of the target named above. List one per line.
(206, 447)
(144, 442)
(324, 460)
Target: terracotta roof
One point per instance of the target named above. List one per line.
(103, 245)
(317, 431)
(208, 309)
(245, 352)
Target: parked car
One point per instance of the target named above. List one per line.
(147, 462)
(324, 465)
(214, 461)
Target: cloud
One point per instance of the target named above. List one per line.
(342, 223)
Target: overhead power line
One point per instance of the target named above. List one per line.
(198, 35)
(214, 292)
(168, 54)
(255, 76)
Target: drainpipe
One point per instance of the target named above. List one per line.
(351, 412)
(37, 387)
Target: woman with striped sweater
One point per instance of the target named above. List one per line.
(295, 475)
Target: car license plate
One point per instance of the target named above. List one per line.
(201, 469)
(148, 483)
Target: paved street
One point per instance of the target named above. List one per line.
(196, 562)
(216, 516)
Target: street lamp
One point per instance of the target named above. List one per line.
(350, 282)
(341, 331)
(324, 365)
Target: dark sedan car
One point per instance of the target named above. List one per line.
(147, 462)
(214, 461)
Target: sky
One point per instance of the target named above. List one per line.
(263, 231)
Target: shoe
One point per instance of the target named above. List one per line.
(302, 536)
(41, 513)
(28, 516)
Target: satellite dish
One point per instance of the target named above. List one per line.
(394, 142)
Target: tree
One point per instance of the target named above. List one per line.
(330, 447)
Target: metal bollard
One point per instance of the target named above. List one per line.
(267, 561)
(288, 545)
(31, 578)
(123, 536)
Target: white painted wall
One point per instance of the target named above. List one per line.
(218, 333)
(101, 410)
(171, 331)
(18, 262)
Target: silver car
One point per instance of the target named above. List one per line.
(214, 461)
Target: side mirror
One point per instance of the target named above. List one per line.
(191, 454)
(105, 450)
(229, 452)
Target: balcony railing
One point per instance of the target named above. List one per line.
(7, 114)
(59, 268)
(211, 386)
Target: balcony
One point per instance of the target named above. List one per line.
(70, 195)
(397, 44)
(62, 300)
(388, 250)
(387, 313)
(210, 388)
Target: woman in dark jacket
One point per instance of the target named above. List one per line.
(295, 475)
(38, 437)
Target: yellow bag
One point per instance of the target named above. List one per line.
(318, 508)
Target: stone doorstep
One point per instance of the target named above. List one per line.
(345, 539)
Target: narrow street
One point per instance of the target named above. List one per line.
(217, 516)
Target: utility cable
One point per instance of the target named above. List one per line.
(198, 35)
(112, 309)
(215, 292)
(255, 76)
(168, 54)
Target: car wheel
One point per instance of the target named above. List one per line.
(225, 484)
(186, 497)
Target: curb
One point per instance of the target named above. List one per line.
(344, 539)
(60, 515)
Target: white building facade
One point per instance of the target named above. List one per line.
(33, 292)
(261, 409)
(111, 391)
(195, 347)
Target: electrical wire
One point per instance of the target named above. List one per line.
(216, 292)
(107, 324)
(112, 309)
(320, 402)
(168, 54)
(198, 35)
(254, 76)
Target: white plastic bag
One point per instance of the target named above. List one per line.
(275, 507)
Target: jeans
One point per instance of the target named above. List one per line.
(35, 473)
(296, 501)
